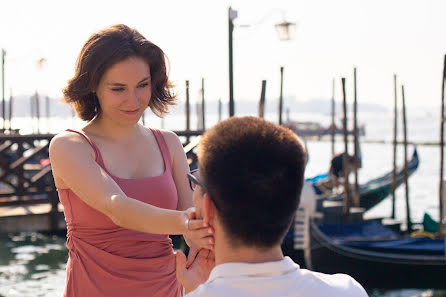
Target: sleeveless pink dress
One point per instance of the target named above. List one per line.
(107, 260)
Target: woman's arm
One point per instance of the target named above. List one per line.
(180, 168)
(72, 161)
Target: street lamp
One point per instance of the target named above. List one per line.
(285, 31)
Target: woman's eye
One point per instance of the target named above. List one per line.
(117, 89)
(143, 85)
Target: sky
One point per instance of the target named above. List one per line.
(381, 38)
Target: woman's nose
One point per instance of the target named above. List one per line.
(134, 98)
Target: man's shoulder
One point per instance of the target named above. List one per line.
(202, 290)
(332, 284)
(306, 283)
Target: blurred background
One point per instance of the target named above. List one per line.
(328, 38)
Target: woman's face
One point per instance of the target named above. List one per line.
(124, 91)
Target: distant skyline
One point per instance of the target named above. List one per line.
(379, 37)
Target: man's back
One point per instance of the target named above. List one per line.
(275, 279)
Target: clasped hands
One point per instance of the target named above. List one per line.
(200, 261)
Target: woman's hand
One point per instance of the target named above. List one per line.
(198, 234)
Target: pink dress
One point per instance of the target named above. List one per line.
(107, 260)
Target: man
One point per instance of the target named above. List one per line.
(336, 170)
(247, 189)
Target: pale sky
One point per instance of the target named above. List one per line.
(379, 37)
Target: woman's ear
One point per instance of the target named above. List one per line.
(209, 210)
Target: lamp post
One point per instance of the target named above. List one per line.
(285, 31)
(232, 15)
(281, 96)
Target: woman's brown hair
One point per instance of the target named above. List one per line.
(106, 48)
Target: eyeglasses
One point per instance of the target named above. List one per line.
(193, 181)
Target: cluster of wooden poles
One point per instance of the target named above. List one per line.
(345, 160)
(356, 196)
(34, 111)
(34, 104)
(201, 107)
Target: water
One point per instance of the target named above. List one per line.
(34, 264)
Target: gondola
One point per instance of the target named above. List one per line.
(371, 194)
(375, 190)
(389, 262)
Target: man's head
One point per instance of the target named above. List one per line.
(252, 175)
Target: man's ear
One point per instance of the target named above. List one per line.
(209, 209)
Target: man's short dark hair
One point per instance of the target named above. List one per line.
(254, 171)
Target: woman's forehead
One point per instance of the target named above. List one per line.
(131, 70)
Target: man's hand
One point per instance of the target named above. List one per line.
(198, 272)
(193, 251)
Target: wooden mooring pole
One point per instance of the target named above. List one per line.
(47, 113)
(31, 105)
(3, 89)
(11, 103)
(356, 197)
(187, 110)
(333, 125)
(38, 112)
(262, 100)
(203, 121)
(219, 109)
(198, 113)
(187, 107)
(395, 132)
(406, 169)
(440, 226)
(345, 161)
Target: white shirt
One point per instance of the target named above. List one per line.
(275, 279)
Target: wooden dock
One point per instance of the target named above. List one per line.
(28, 196)
(31, 218)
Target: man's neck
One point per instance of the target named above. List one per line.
(225, 253)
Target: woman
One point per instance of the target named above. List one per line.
(123, 186)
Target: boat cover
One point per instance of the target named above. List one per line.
(369, 229)
(373, 236)
(416, 246)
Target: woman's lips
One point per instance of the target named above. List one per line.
(131, 112)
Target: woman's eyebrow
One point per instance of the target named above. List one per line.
(145, 78)
(123, 85)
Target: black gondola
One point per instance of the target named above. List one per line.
(379, 263)
(375, 190)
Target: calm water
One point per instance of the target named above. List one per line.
(34, 264)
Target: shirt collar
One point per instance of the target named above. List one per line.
(237, 269)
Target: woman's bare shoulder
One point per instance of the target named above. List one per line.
(69, 143)
(67, 147)
(172, 140)
(169, 135)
